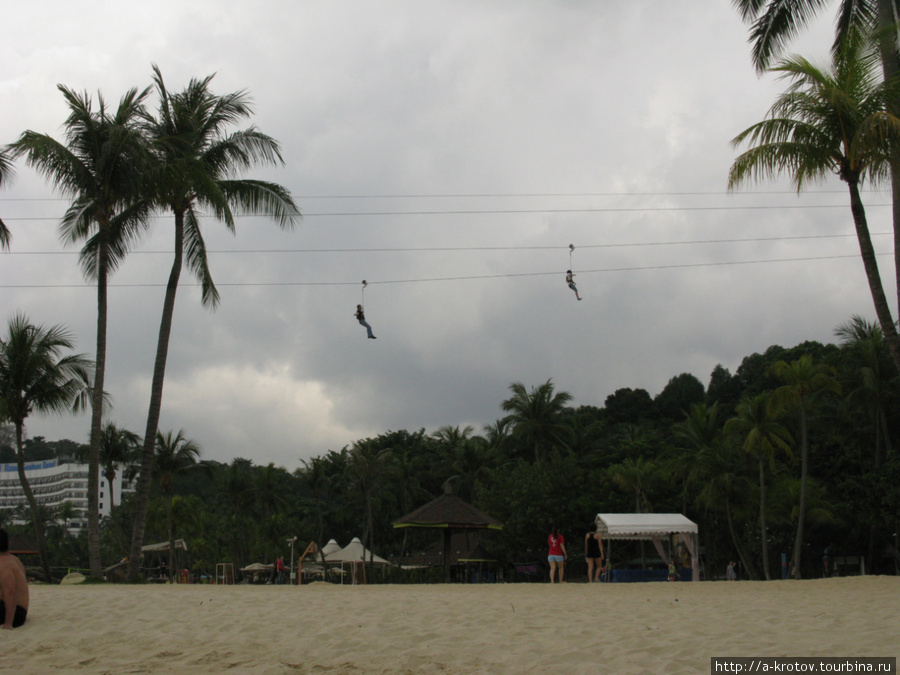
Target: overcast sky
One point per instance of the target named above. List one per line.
(448, 153)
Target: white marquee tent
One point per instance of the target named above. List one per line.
(330, 548)
(356, 556)
(354, 552)
(654, 527)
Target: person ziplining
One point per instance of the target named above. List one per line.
(360, 314)
(570, 280)
(570, 276)
(361, 317)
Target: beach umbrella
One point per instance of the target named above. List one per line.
(451, 514)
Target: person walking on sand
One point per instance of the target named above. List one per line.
(556, 555)
(593, 553)
(13, 587)
(361, 317)
(570, 280)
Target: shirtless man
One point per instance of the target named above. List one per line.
(13, 587)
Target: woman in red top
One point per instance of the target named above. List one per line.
(556, 555)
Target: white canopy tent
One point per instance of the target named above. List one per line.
(356, 556)
(654, 527)
(330, 548)
(354, 552)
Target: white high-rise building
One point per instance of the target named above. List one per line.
(55, 482)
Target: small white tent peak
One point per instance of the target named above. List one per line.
(330, 548)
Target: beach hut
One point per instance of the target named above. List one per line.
(653, 527)
(450, 514)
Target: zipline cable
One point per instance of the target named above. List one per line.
(461, 278)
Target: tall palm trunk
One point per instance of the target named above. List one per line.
(36, 517)
(171, 528)
(93, 487)
(762, 516)
(804, 475)
(745, 559)
(370, 526)
(887, 17)
(870, 263)
(110, 477)
(142, 497)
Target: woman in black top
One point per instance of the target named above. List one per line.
(593, 553)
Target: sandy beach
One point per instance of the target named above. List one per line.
(512, 628)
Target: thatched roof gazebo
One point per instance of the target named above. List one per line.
(452, 514)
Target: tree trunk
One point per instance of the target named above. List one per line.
(804, 473)
(142, 496)
(887, 20)
(745, 559)
(36, 518)
(762, 516)
(882, 310)
(93, 486)
(110, 477)
(171, 536)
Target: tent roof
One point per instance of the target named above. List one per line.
(450, 511)
(163, 546)
(331, 547)
(355, 552)
(642, 525)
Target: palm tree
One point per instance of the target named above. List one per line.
(775, 22)
(36, 375)
(6, 173)
(831, 122)
(366, 468)
(237, 499)
(175, 456)
(720, 471)
(118, 450)
(864, 341)
(636, 477)
(101, 167)
(804, 380)
(714, 467)
(315, 475)
(537, 417)
(872, 372)
(196, 161)
(762, 435)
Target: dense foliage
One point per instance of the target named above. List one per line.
(685, 450)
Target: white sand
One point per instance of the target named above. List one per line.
(515, 628)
